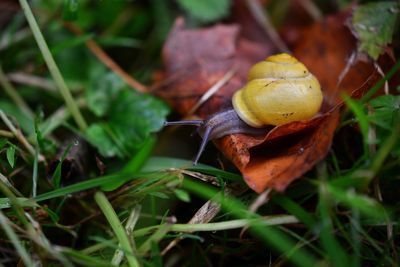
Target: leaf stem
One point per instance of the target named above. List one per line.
(51, 64)
(107, 60)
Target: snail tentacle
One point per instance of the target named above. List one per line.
(206, 138)
(189, 122)
(218, 125)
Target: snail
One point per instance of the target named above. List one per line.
(280, 90)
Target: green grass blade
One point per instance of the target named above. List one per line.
(117, 227)
(5, 223)
(129, 226)
(92, 183)
(5, 202)
(51, 64)
(14, 95)
(362, 119)
(154, 238)
(272, 236)
(336, 254)
(385, 149)
(356, 238)
(164, 163)
(35, 173)
(83, 259)
(135, 164)
(381, 82)
(364, 204)
(295, 209)
(219, 226)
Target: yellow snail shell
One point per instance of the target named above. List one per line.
(280, 90)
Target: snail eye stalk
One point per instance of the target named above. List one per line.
(206, 138)
(192, 122)
(203, 129)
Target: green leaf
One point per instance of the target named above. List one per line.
(57, 173)
(159, 195)
(386, 116)
(46, 146)
(358, 110)
(70, 10)
(294, 208)
(23, 119)
(102, 91)
(206, 10)
(131, 117)
(5, 202)
(386, 108)
(70, 42)
(336, 254)
(11, 155)
(374, 24)
(2, 142)
(366, 205)
(135, 164)
(97, 135)
(182, 195)
(165, 163)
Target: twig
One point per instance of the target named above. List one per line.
(5, 180)
(51, 64)
(380, 71)
(56, 119)
(22, 252)
(28, 79)
(6, 134)
(262, 199)
(18, 36)
(262, 18)
(220, 226)
(103, 57)
(12, 92)
(213, 89)
(312, 9)
(17, 133)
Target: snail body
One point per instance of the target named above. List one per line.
(280, 90)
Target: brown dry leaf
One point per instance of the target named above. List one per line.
(199, 58)
(196, 59)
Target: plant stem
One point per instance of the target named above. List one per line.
(268, 234)
(130, 225)
(6, 134)
(117, 227)
(18, 134)
(22, 252)
(51, 64)
(385, 149)
(10, 90)
(220, 226)
(264, 21)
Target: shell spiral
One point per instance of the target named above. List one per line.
(280, 90)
